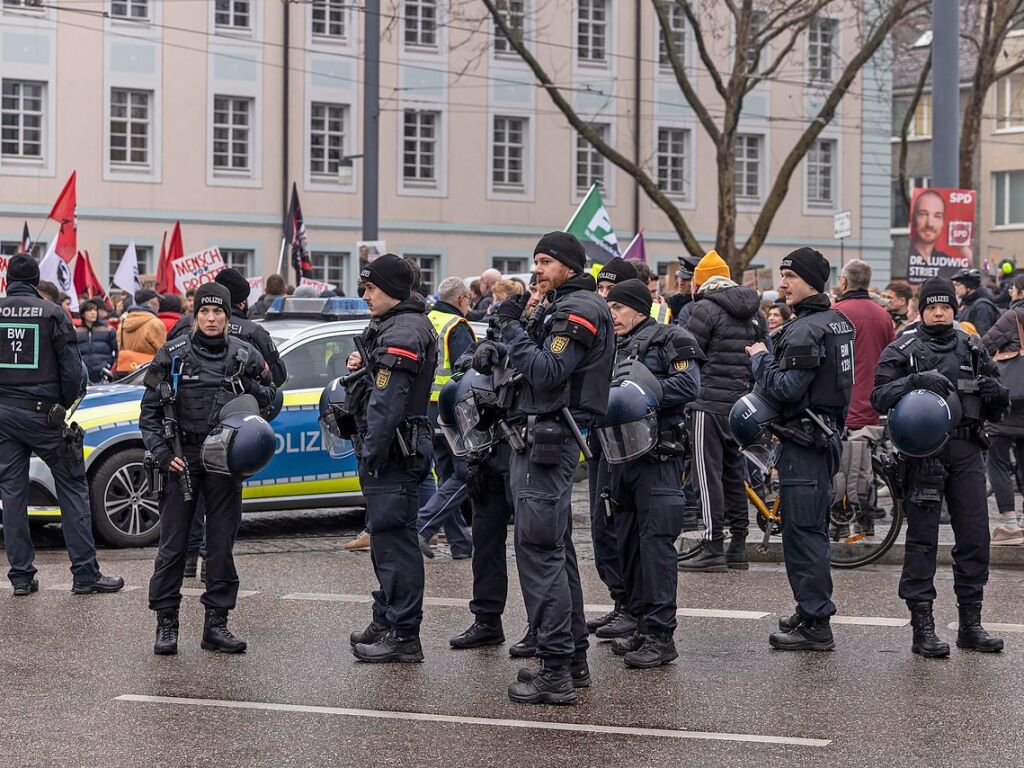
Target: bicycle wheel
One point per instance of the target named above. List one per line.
(856, 543)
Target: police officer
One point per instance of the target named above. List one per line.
(393, 442)
(976, 305)
(190, 379)
(565, 354)
(810, 376)
(646, 496)
(945, 360)
(41, 374)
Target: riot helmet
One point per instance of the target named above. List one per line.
(920, 423)
(634, 369)
(629, 427)
(750, 416)
(472, 415)
(242, 444)
(336, 424)
(446, 420)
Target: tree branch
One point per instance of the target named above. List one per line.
(905, 129)
(705, 55)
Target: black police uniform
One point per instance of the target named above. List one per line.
(646, 494)
(811, 368)
(401, 347)
(40, 370)
(618, 622)
(206, 368)
(565, 354)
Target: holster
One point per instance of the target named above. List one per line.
(155, 476)
(673, 441)
(927, 481)
(545, 439)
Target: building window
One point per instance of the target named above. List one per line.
(133, 10)
(419, 147)
(508, 170)
(592, 30)
(748, 166)
(1009, 197)
(821, 40)
(232, 131)
(32, 6)
(821, 180)
(233, 14)
(754, 53)
(921, 125)
(510, 265)
(421, 23)
(129, 127)
(329, 267)
(143, 254)
(329, 19)
(1010, 103)
(21, 119)
(590, 164)
(673, 161)
(429, 266)
(241, 259)
(13, 247)
(900, 212)
(677, 22)
(514, 12)
(326, 138)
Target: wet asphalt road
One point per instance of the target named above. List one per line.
(80, 687)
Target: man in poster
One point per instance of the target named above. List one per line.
(941, 221)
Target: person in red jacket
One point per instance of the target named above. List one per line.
(874, 330)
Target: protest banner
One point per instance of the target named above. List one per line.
(194, 269)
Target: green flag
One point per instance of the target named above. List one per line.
(593, 227)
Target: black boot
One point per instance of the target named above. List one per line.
(656, 650)
(547, 686)
(191, 563)
(595, 624)
(579, 670)
(525, 648)
(736, 554)
(709, 559)
(625, 645)
(479, 635)
(926, 642)
(789, 623)
(374, 631)
(623, 625)
(166, 633)
(217, 636)
(971, 635)
(808, 635)
(390, 648)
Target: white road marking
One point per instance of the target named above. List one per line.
(328, 596)
(192, 591)
(483, 721)
(993, 627)
(870, 621)
(67, 587)
(702, 613)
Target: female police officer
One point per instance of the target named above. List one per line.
(189, 381)
(944, 360)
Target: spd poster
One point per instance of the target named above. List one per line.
(941, 233)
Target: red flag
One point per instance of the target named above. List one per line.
(63, 213)
(165, 282)
(86, 282)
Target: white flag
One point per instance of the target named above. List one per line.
(55, 270)
(127, 275)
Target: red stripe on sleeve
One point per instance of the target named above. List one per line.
(403, 353)
(584, 322)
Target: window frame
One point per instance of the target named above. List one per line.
(687, 193)
(436, 269)
(328, 7)
(418, 45)
(1005, 194)
(834, 53)
(144, 254)
(419, 142)
(231, 172)
(819, 205)
(129, 18)
(231, 28)
(249, 260)
(1003, 103)
(761, 141)
(606, 26)
(506, 52)
(606, 171)
(505, 190)
(322, 176)
(127, 165)
(21, 159)
(322, 272)
(664, 63)
(504, 260)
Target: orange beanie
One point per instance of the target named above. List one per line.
(710, 266)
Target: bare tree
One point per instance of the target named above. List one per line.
(761, 38)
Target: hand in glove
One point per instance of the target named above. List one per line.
(933, 381)
(511, 308)
(989, 388)
(486, 357)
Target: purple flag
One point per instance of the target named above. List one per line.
(635, 250)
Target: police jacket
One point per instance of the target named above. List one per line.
(97, 345)
(210, 373)
(725, 320)
(402, 350)
(957, 355)
(978, 309)
(812, 365)
(671, 354)
(39, 357)
(565, 353)
(253, 333)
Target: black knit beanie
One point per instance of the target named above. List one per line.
(936, 290)
(616, 271)
(810, 265)
(236, 284)
(213, 294)
(22, 268)
(391, 274)
(633, 294)
(563, 247)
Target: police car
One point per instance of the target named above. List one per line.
(315, 338)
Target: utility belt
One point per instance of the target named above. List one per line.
(193, 438)
(545, 436)
(405, 445)
(810, 430)
(673, 440)
(971, 431)
(54, 412)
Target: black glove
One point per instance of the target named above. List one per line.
(989, 388)
(933, 381)
(486, 357)
(511, 308)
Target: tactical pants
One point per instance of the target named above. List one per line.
(965, 495)
(491, 508)
(21, 434)
(606, 547)
(444, 507)
(548, 571)
(197, 536)
(719, 472)
(1001, 470)
(223, 499)
(648, 515)
(805, 480)
(391, 508)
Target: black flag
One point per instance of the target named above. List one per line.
(295, 233)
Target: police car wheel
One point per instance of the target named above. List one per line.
(122, 514)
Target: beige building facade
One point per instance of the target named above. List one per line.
(178, 111)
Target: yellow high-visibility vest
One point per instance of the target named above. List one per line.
(444, 323)
(661, 313)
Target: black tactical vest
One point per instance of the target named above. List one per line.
(406, 330)
(958, 358)
(201, 383)
(822, 341)
(27, 352)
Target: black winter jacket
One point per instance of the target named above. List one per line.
(978, 309)
(725, 321)
(98, 347)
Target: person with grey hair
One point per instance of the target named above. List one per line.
(487, 281)
(305, 292)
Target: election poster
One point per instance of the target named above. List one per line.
(941, 233)
(194, 269)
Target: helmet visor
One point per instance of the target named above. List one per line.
(626, 442)
(214, 453)
(337, 446)
(764, 453)
(454, 438)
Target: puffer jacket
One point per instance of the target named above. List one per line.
(978, 309)
(140, 330)
(97, 346)
(724, 319)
